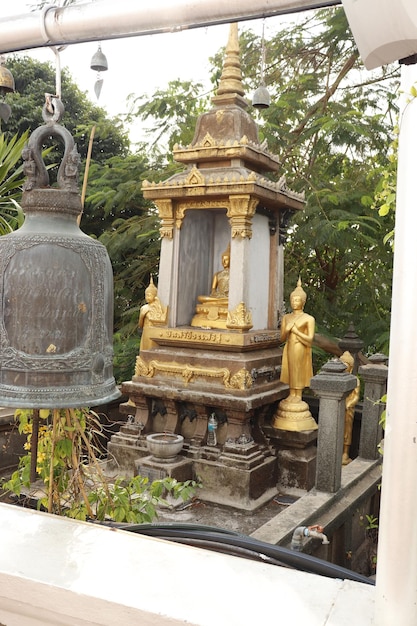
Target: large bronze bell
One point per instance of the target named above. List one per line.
(6, 79)
(56, 292)
(6, 86)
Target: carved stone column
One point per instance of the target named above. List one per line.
(332, 384)
(375, 376)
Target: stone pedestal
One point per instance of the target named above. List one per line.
(181, 469)
(125, 448)
(296, 457)
(375, 375)
(332, 384)
(183, 380)
(239, 476)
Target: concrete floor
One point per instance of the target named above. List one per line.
(204, 513)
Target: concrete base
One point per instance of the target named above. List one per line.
(296, 457)
(125, 448)
(243, 479)
(191, 375)
(181, 469)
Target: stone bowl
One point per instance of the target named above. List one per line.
(164, 447)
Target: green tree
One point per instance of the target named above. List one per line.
(11, 180)
(129, 228)
(173, 113)
(32, 80)
(332, 125)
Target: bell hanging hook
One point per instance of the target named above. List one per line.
(55, 49)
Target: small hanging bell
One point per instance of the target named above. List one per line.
(99, 61)
(261, 98)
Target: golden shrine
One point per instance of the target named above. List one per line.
(221, 287)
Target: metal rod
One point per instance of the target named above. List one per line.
(106, 19)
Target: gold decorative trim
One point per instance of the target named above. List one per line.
(141, 369)
(166, 213)
(158, 314)
(240, 380)
(231, 77)
(182, 207)
(241, 210)
(209, 141)
(195, 177)
(228, 339)
(239, 318)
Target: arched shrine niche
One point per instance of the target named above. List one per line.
(202, 239)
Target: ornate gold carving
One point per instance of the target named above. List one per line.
(240, 318)
(182, 207)
(195, 177)
(166, 213)
(231, 78)
(240, 380)
(242, 209)
(141, 369)
(208, 141)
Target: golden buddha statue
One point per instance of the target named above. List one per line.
(211, 311)
(350, 404)
(151, 314)
(297, 330)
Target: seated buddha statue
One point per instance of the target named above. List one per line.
(211, 310)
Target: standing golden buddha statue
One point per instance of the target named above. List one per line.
(297, 330)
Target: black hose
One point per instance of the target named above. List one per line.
(194, 535)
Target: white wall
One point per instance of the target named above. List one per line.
(64, 572)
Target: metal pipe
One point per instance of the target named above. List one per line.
(106, 19)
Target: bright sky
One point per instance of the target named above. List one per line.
(138, 65)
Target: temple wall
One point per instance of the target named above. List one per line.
(259, 268)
